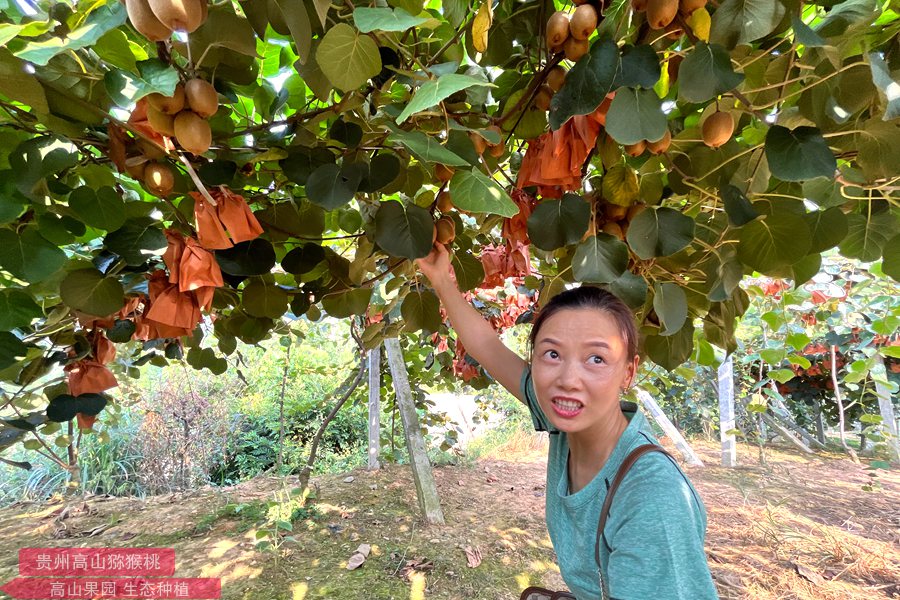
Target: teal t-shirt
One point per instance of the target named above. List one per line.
(654, 534)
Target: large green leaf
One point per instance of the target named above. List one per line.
(421, 310)
(670, 351)
(27, 255)
(297, 19)
(246, 259)
(601, 258)
(780, 239)
(798, 154)
(262, 298)
(635, 115)
(473, 191)
(103, 209)
(879, 152)
(346, 304)
(891, 253)
(331, 186)
(432, 92)
(659, 232)
(737, 206)
(102, 19)
(384, 19)
(805, 35)
(639, 67)
(18, 85)
(137, 240)
(115, 50)
(881, 77)
(17, 309)
(155, 76)
(846, 15)
(468, 270)
(738, 22)
(427, 149)
(706, 72)
(867, 235)
(302, 161)
(670, 304)
(587, 83)
(347, 58)
(828, 228)
(11, 349)
(403, 230)
(558, 223)
(303, 259)
(89, 291)
(631, 289)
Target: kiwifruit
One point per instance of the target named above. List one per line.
(146, 23)
(136, 169)
(634, 210)
(583, 22)
(674, 31)
(557, 28)
(661, 12)
(433, 234)
(202, 97)
(159, 179)
(170, 105)
(192, 132)
(444, 202)
(660, 145)
(443, 172)
(575, 49)
(639, 5)
(497, 150)
(689, 6)
(580, 2)
(613, 229)
(446, 230)
(717, 129)
(543, 97)
(673, 65)
(162, 123)
(636, 149)
(556, 78)
(178, 15)
(149, 149)
(614, 212)
(479, 142)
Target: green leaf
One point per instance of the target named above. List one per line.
(891, 263)
(18, 85)
(28, 255)
(867, 235)
(137, 240)
(427, 149)
(780, 239)
(879, 152)
(798, 154)
(434, 91)
(620, 185)
(121, 331)
(806, 268)
(155, 76)
(659, 232)
(587, 83)
(302, 161)
(115, 49)
(847, 14)
(263, 298)
(773, 356)
(828, 228)
(601, 258)
(737, 206)
(297, 20)
(737, 22)
(403, 230)
(558, 223)
(102, 19)
(635, 115)
(881, 77)
(890, 351)
(206, 359)
(421, 310)
(247, 259)
(670, 351)
(347, 304)
(17, 309)
(468, 270)
(303, 259)
(670, 304)
(630, 288)
(639, 67)
(801, 361)
(330, 186)
(89, 291)
(528, 119)
(346, 58)
(383, 169)
(384, 19)
(805, 35)
(473, 191)
(11, 349)
(706, 72)
(781, 375)
(103, 209)
(797, 340)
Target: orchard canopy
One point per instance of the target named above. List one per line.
(178, 176)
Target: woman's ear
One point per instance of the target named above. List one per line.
(631, 371)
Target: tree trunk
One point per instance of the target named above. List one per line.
(840, 404)
(820, 423)
(761, 440)
(726, 412)
(783, 415)
(426, 488)
(656, 412)
(886, 407)
(284, 375)
(74, 484)
(374, 408)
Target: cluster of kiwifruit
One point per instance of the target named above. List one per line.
(444, 227)
(614, 219)
(654, 148)
(717, 129)
(481, 144)
(568, 32)
(661, 13)
(157, 19)
(183, 114)
(556, 77)
(145, 163)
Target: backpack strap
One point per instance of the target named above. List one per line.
(604, 512)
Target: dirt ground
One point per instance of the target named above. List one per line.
(800, 528)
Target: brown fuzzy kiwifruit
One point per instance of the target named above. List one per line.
(497, 150)
(150, 150)
(580, 2)
(146, 23)
(192, 132)
(201, 97)
(162, 123)
(556, 78)
(444, 202)
(135, 166)
(674, 31)
(159, 179)
(660, 145)
(686, 7)
(543, 97)
(636, 149)
(443, 172)
(614, 212)
(178, 15)
(575, 49)
(717, 129)
(661, 12)
(634, 210)
(672, 66)
(479, 142)
(639, 5)
(446, 230)
(170, 105)
(583, 22)
(613, 229)
(557, 28)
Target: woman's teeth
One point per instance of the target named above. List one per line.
(568, 405)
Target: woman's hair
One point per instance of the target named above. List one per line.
(591, 298)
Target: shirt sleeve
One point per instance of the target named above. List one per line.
(657, 539)
(538, 418)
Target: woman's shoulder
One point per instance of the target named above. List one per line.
(657, 478)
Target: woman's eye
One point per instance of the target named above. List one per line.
(596, 360)
(552, 354)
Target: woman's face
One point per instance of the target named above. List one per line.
(579, 367)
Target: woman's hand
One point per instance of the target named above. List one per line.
(436, 266)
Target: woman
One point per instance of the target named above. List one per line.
(583, 357)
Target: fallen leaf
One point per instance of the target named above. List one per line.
(473, 556)
(809, 574)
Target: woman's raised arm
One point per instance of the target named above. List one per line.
(475, 333)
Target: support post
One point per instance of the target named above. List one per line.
(886, 406)
(656, 412)
(374, 408)
(785, 432)
(726, 412)
(426, 488)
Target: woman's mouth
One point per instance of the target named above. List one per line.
(567, 407)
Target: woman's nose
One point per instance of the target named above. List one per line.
(568, 375)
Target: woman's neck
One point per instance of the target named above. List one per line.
(591, 448)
